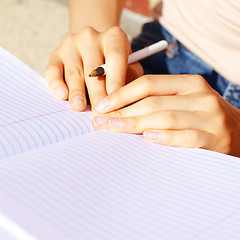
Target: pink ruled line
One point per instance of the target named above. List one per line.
(27, 119)
(214, 225)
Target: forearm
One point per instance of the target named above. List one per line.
(99, 14)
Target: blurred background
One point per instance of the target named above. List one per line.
(31, 29)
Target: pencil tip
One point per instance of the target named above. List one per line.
(93, 74)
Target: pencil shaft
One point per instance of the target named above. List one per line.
(147, 51)
(136, 56)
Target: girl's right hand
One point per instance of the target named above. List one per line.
(79, 54)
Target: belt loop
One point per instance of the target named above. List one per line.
(232, 94)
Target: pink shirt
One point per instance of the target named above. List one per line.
(210, 29)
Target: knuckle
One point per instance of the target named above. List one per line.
(52, 67)
(199, 82)
(116, 30)
(199, 79)
(54, 57)
(222, 121)
(170, 120)
(212, 101)
(192, 139)
(116, 114)
(77, 92)
(134, 125)
(205, 99)
(68, 39)
(225, 133)
(72, 72)
(147, 83)
(88, 33)
(54, 84)
(228, 143)
(153, 103)
(225, 145)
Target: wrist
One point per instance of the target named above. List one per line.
(100, 14)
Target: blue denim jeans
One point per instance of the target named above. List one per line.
(180, 60)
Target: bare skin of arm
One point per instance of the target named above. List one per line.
(98, 14)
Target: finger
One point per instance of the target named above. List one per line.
(100, 122)
(155, 104)
(175, 120)
(182, 138)
(116, 48)
(74, 77)
(148, 85)
(54, 77)
(92, 57)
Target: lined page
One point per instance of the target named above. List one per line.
(117, 186)
(31, 117)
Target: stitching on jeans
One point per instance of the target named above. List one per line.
(233, 91)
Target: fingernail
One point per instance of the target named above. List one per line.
(78, 100)
(116, 123)
(153, 135)
(78, 103)
(100, 121)
(102, 105)
(62, 92)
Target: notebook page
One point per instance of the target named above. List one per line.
(31, 117)
(117, 186)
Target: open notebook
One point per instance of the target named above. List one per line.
(60, 179)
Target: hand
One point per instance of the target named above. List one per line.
(174, 110)
(78, 54)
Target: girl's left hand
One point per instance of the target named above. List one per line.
(174, 110)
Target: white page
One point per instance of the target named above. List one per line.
(31, 117)
(117, 186)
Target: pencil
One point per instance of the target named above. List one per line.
(135, 57)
